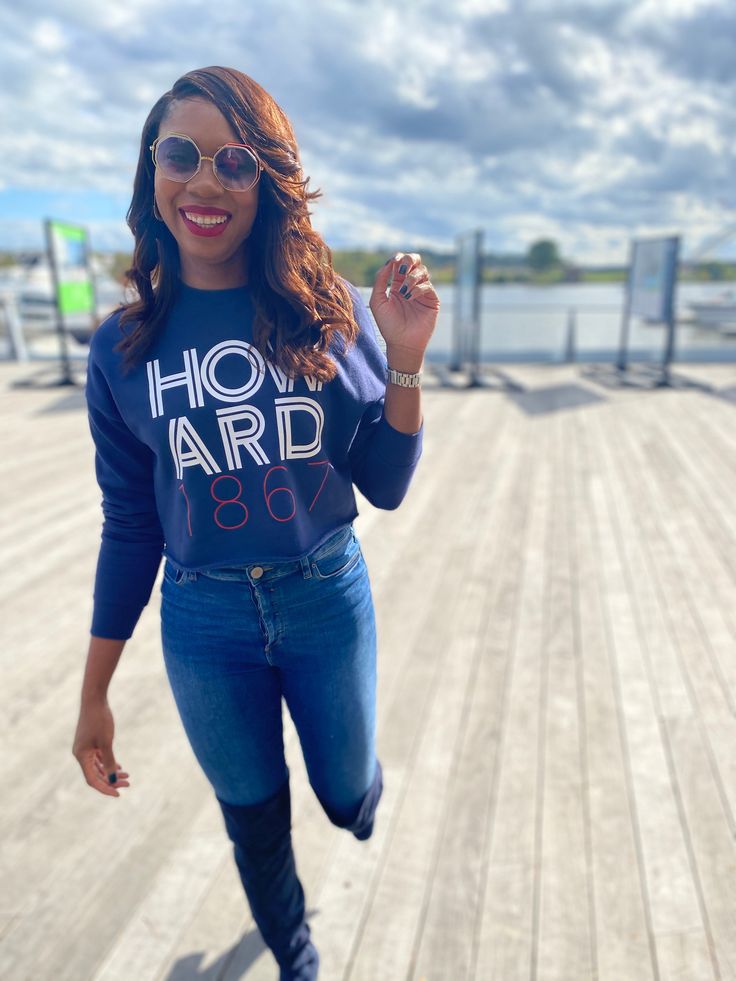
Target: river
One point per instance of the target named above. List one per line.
(530, 323)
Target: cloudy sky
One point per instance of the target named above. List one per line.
(583, 120)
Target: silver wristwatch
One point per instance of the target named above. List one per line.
(404, 378)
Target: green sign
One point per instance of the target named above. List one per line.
(68, 252)
(76, 297)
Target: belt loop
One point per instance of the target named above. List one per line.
(191, 575)
(306, 567)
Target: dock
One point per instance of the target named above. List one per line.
(556, 609)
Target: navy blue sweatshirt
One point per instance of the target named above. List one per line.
(208, 453)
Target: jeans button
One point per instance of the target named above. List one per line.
(256, 572)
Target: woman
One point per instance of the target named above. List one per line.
(233, 406)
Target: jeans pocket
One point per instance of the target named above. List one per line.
(172, 574)
(336, 559)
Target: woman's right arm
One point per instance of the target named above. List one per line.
(132, 539)
(95, 727)
(127, 564)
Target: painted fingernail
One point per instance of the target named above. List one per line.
(402, 269)
(388, 260)
(403, 289)
(113, 777)
(407, 295)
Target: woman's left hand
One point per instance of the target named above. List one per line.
(405, 319)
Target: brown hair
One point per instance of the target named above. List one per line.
(300, 303)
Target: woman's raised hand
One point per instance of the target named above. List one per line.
(407, 315)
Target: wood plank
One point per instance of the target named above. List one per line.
(99, 867)
(699, 568)
(564, 947)
(672, 891)
(709, 692)
(447, 946)
(432, 697)
(713, 847)
(506, 925)
(149, 933)
(622, 929)
(700, 754)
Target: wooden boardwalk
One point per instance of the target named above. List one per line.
(556, 603)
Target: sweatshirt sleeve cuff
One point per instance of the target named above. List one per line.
(114, 622)
(126, 572)
(396, 448)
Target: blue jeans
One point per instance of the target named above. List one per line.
(237, 639)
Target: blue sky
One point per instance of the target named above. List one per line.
(583, 120)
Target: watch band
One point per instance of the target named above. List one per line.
(404, 378)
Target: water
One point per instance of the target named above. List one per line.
(530, 323)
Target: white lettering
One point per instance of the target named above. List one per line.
(197, 377)
(244, 350)
(181, 431)
(281, 379)
(158, 382)
(233, 439)
(284, 409)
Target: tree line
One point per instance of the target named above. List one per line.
(542, 264)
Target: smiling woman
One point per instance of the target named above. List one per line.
(202, 194)
(267, 241)
(234, 406)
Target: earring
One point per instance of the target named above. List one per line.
(156, 212)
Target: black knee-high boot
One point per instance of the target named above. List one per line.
(261, 836)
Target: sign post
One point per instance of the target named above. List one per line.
(74, 292)
(650, 294)
(467, 314)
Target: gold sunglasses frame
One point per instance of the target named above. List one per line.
(159, 139)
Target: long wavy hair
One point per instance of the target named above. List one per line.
(301, 305)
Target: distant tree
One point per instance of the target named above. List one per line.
(543, 255)
(713, 270)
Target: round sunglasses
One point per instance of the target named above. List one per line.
(178, 157)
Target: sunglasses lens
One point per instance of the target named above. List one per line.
(177, 158)
(236, 168)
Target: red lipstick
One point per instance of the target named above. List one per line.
(208, 231)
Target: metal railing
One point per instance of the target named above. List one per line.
(725, 349)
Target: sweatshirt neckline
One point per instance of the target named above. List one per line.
(197, 291)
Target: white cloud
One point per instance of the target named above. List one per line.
(656, 10)
(48, 36)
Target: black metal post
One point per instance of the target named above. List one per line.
(570, 345)
(626, 316)
(474, 377)
(456, 354)
(669, 350)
